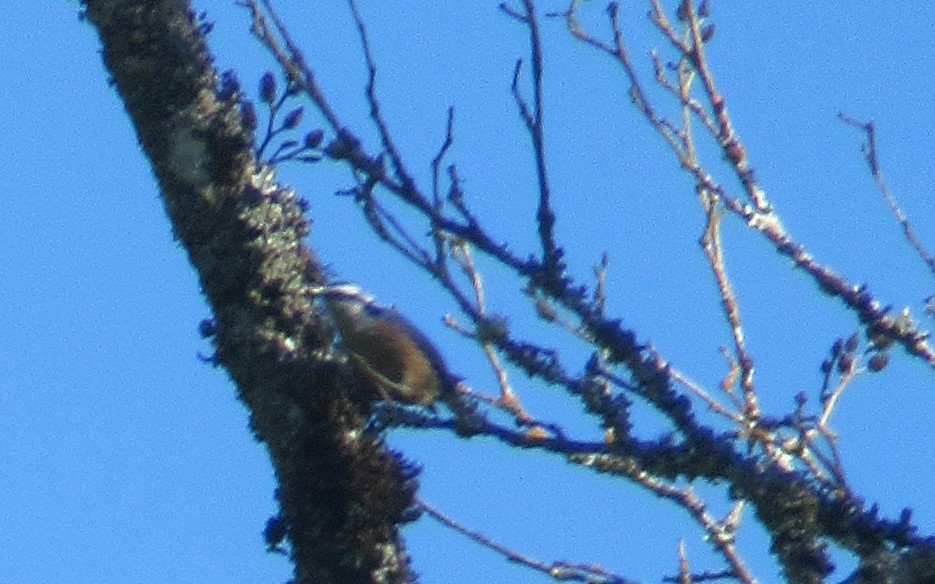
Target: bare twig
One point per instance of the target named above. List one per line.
(551, 258)
(292, 62)
(557, 570)
(656, 465)
(705, 397)
(399, 238)
(437, 199)
(869, 148)
(711, 242)
(758, 216)
(289, 58)
(720, 535)
(508, 399)
(376, 114)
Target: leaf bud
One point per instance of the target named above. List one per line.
(846, 364)
(878, 362)
(268, 87)
(313, 139)
(248, 115)
(293, 118)
(852, 342)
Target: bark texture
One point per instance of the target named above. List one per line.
(341, 492)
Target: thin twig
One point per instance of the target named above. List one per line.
(711, 242)
(438, 235)
(437, 161)
(545, 216)
(376, 114)
(508, 399)
(722, 539)
(704, 396)
(758, 216)
(727, 137)
(869, 149)
(293, 63)
(557, 570)
(379, 217)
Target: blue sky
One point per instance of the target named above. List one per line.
(125, 459)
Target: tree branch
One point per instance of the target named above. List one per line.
(341, 493)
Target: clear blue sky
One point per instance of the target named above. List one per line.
(125, 459)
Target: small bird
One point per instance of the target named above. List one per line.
(385, 346)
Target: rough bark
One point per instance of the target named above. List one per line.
(341, 493)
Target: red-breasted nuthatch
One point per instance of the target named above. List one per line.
(385, 347)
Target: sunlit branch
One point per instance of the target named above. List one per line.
(508, 399)
(721, 535)
(711, 243)
(760, 215)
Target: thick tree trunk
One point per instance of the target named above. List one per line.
(341, 493)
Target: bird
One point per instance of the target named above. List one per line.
(385, 346)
